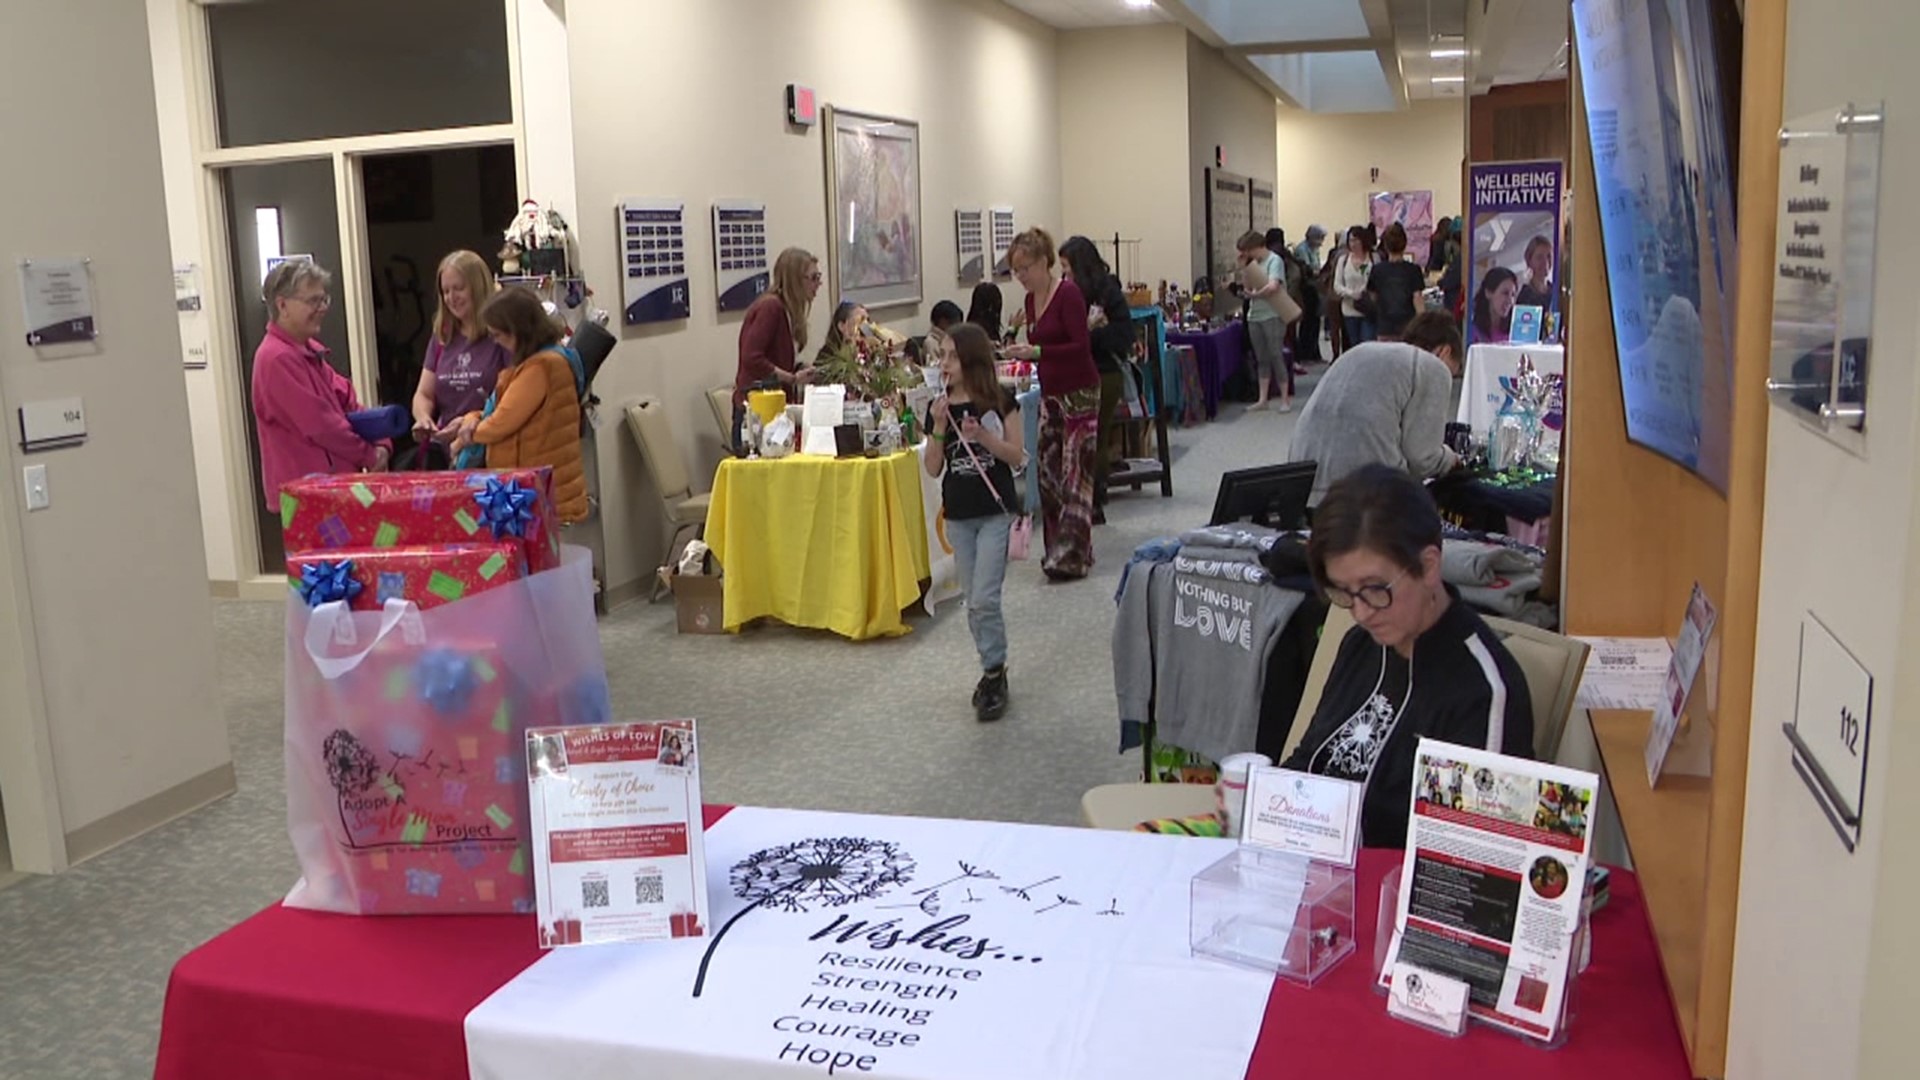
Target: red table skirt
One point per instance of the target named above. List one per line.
(302, 995)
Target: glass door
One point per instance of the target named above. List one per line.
(277, 210)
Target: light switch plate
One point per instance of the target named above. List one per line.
(38, 497)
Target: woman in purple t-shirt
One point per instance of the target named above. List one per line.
(462, 362)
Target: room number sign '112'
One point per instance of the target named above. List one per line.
(1832, 727)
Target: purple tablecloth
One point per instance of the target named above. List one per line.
(1218, 353)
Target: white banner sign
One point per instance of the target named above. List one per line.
(866, 947)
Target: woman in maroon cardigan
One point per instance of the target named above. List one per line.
(1059, 344)
(775, 330)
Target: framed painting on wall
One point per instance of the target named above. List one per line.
(873, 208)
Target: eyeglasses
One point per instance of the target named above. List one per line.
(816, 277)
(318, 303)
(1376, 597)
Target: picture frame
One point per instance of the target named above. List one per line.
(873, 209)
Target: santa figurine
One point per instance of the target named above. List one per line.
(534, 229)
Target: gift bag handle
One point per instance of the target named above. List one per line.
(326, 620)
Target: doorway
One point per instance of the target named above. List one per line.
(420, 207)
(275, 210)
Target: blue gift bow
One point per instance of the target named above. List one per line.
(325, 581)
(447, 680)
(506, 507)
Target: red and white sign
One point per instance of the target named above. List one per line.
(616, 832)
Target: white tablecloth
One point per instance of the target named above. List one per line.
(895, 948)
(1481, 395)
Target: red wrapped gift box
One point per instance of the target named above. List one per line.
(427, 575)
(389, 510)
(411, 783)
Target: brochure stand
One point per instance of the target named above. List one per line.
(1275, 912)
(1383, 941)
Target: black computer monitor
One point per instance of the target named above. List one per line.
(1271, 495)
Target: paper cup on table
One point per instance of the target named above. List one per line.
(767, 404)
(1230, 790)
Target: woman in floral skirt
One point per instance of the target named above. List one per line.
(1059, 345)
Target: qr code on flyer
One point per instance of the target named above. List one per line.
(676, 751)
(649, 889)
(595, 894)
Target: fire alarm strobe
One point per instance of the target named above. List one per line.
(802, 109)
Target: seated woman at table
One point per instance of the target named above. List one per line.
(843, 336)
(774, 332)
(976, 444)
(536, 415)
(1493, 307)
(1418, 662)
(1384, 403)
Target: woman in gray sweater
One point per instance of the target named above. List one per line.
(1384, 403)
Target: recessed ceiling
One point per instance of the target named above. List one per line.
(1331, 82)
(1250, 22)
(1088, 14)
(1344, 56)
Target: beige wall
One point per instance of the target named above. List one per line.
(115, 570)
(980, 79)
(1827, 947)
(1324, 161)
(1227, 109)
(1123, 102)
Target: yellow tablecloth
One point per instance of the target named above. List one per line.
(831, 544)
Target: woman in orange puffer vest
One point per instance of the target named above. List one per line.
(536, 418)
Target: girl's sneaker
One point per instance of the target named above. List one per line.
(990, 696)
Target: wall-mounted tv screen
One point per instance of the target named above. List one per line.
(1661, 84)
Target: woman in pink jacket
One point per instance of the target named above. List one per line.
(300, 403)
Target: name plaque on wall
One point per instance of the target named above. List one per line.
(1823, 270)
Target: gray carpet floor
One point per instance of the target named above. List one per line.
(787, 718)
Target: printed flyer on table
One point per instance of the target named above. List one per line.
(1490, 892)
(861, 946)
(616, 832)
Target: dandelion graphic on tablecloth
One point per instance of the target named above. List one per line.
(822, 872)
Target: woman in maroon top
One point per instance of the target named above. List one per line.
(774, 331)
(1059, 344)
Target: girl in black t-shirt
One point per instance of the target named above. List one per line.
(975, 443)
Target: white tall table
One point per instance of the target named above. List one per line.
(1481, 395)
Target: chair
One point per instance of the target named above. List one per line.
(1122, 806)
(681, 508)
(1553, 665)
(1339, 621)
(721, 399)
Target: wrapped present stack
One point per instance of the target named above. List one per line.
(406, 766)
